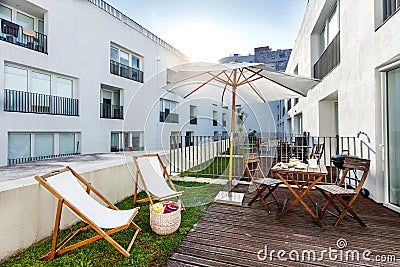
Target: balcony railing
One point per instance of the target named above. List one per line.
(169, 117)
(215, 123)
(13, 33)
(126, 71)
(30, 159)
(329, 59)
(19, 101)
(108, 111)
(193, 120)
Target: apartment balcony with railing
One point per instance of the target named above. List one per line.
(329, 59)
(169, 117)
(108, 111)
(125, 71)
(21, 36)
(27, 102)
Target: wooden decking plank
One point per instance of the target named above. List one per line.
(227, 235)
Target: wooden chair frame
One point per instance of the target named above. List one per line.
(350, 163)
(57, 249)
(139, 175)
(253, 158)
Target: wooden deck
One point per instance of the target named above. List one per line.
(232, 236)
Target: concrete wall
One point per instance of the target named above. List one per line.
(365, 45)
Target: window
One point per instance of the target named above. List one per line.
(193, 114)
(40, 83)
(25, 21)
(110, 104)
(114, 55)
(389, 7)
(224, 119)
(135, 62)
(215, 118)
(19, 146)
(136, 140)
(330, 30)
(44, 145)
(66, 143)
(16, 78)
(5, 13)
(115, 142)
(123, 58)
(41, 26)
(64, 87)
(167, 108)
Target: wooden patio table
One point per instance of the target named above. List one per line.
(313, 177)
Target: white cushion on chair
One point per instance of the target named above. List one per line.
(336, 190)
(67, 185)
(267, 181)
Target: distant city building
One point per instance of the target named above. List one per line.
(277, 59)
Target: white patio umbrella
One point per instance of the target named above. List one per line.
(236, 82)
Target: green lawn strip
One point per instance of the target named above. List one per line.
(149, 248)
(214, 168)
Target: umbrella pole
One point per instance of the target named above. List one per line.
(234, 86)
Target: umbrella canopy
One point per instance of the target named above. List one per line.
(235, 83)
(255, 83)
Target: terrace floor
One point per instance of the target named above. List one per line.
(229, 235)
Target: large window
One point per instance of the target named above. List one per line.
(66, 143)
(44, 145)
(64, 87)
(110, 106)
(167, 111)
(19, 146)
(15, 78)
(40, 83)
(25, 147)
(25, 21)
(330, 29)
(124, 57)
(5, 13)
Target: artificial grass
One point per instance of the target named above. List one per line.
(149, 248)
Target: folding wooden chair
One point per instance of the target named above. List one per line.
(252, 168)
(65, 185)
(150, 176)
(341, 193)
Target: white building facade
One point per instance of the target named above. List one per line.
(80, 77)
(354, 48)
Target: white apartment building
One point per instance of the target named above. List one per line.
(80, 77)
(354, 47)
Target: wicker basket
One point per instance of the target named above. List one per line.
(165, 224)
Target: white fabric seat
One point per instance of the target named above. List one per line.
(336, 190)
(67, 185)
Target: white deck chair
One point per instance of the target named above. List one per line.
(64, 185)
(150, 176)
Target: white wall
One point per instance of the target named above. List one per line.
(363, 49)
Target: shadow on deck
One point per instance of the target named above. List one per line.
(233, 236)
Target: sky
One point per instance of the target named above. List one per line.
(207, 30)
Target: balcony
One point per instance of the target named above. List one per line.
(126, 71)
(13, 33)
(215, 123)
(329, 59)
(193, 120)
(26, 102)
(169, 117)
(108, 111)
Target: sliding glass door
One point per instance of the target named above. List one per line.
(393, 135)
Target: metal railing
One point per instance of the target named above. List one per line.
(126, 71)
(169, 117)
(131, 23)
(329, 59)
(193, 120)
(108, 111)
(208, 156)
(37, 158)
(13, 33)
(19, 101)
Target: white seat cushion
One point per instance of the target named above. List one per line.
(336, 190)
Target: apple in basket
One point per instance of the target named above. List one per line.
(170, 206)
